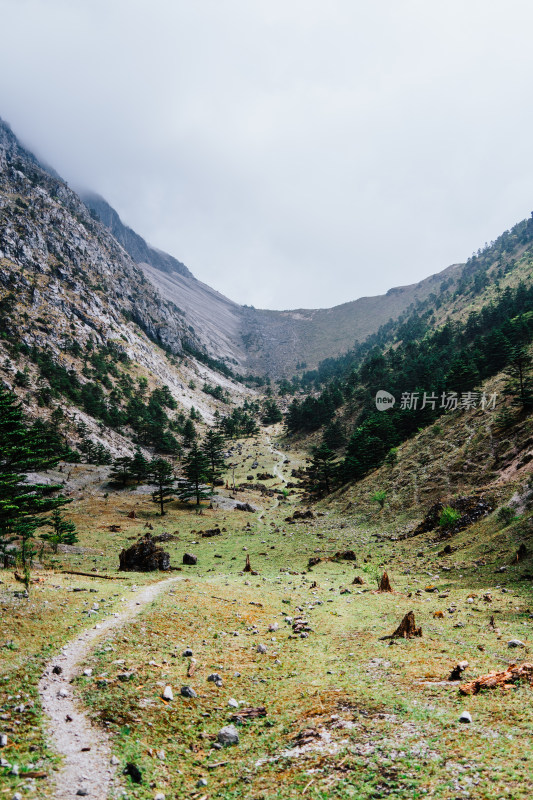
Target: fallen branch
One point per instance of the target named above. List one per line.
(506, 679)
(93, 575)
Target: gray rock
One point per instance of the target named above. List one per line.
(214, 678)
(3, 739)
(186, 691)
(515, 643)
(201, 782)
(168, 694)
(232, 703)
(159, 796)
(261, 648)
(228, 735)
(189, 559)
(465, 717)
(187, 652)
(114, 761)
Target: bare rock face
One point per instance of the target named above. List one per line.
(144, 556)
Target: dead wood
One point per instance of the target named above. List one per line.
(93, 575)
(384, 585)
(406, 629)
(457, 671)
(506, 679)
(249, 713)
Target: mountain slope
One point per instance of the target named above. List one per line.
(265, 342)
(83, 330)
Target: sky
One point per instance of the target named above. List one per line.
(293, 153)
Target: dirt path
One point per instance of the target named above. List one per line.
(85, 772)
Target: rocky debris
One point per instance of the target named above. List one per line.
(187, 691)
(384, 585)
(189, 559)
(358, 581)
(165, 537)
(265, 476)
(466, 717)
(244, 507)
(133, 771)
(228, 735)
(506, 679)
(300, 515)
(515, 643)
(261, 648)
(471, 509)
(345, 555)
(406, 629)
(300, 626)
(313, 561)
(457, 672)
(168, 694)
(144, 556)
(215, 678)
(208, 534)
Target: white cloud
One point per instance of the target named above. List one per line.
(291, 152)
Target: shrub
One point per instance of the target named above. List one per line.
(506, 515)
(379, 497)
(448, 517)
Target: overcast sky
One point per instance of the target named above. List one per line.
(293, 153)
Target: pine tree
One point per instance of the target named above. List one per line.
(196, 468)
(271, 413)
(162, 475)
(63, 531)
(213, 449)
(189, 433)
(320, 475)
(139, 466)
(23, 450)
(520, 383)
(122, 470)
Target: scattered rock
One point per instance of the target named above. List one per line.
(187, 652)
(168, 694)
(57, 670)
(244, 507)
(465, 717)
(189, 559)
(228, 736)
(515, 643)
(114, 761)
(261, 648)
(186, 691)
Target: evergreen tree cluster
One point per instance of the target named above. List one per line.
(24, 449)
(455, 358)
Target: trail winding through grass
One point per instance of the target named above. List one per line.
(85, 749)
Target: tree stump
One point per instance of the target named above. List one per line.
(248, 567)
(406, 629)
(521, 553)
(384, 585)
(457, 671)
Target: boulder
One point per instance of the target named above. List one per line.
(188, 558)
(144, 556)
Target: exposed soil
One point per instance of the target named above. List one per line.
(86, 750)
